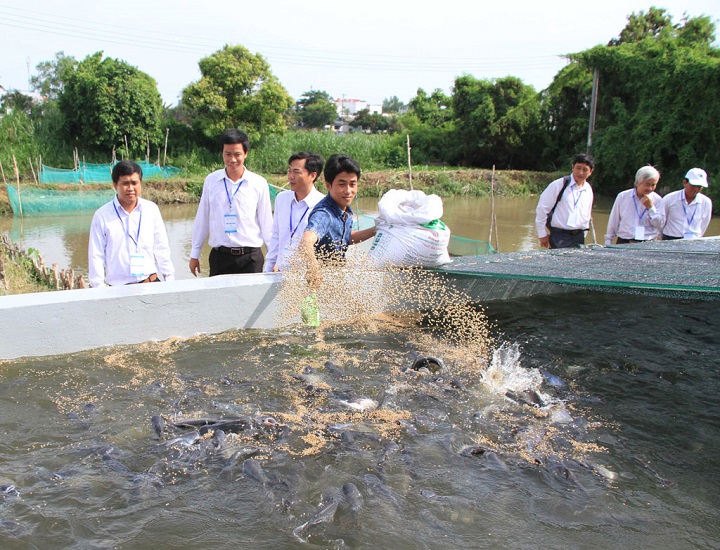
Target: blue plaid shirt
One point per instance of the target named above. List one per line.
(332, 226)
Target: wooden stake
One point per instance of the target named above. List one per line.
(17, 178)
(492, 207)
(3, 174)
(495, 223)
(167, 133)
(127, 149)
(409, 162)
(32, 169)
(147, 149)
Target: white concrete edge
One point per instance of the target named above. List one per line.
(51, 323)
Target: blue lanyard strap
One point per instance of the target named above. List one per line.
(682, 201)
(136, 240)
(639, 215)
(292, 231)
(580, 191)
(230, 199)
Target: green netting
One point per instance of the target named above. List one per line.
(274, 190)
(101, 173)
(37, 201)
(460, 246)
(682, 266)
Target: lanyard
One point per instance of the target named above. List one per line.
(578, 198)
(639, 215)
(230, 200)
(292, 231)
(682, 201)
(136, 240)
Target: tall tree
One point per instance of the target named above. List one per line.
(431, 126)
(499, 122)
(16, 102)
(315, 109)
(52, 75)
(392, 104)
(237, 90)
(659, 102)
(105, 101)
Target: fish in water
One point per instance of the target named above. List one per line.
(334, 369)
(353, 498)
(325, 514)
(158, 425)
(309, 375)
(254, 470)
(9, 490)
(431, 364)
(358, 403)
(552, 379)
(526, 397)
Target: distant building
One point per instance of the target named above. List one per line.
(351, 107)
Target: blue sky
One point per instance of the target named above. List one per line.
(366, 50)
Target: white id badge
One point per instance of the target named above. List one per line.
(137, 265)
(572, 219)
(688, 235)
(639, 233)
(230, 223)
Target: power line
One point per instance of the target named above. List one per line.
(77, 28)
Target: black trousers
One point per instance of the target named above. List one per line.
(224, 263)
(564, 238)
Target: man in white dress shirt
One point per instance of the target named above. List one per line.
(687, 211)
(127, 235)
(293, 207)
(234, 213)
(638, 213)
(565, 207)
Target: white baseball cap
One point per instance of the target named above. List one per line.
(697, 176)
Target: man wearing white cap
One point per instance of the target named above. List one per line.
(687, 211)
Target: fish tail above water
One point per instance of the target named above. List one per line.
(326, 514)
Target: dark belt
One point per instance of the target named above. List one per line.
(568, 231)
(620, 240)
(237, 250)
(152, 278)
(669, 237)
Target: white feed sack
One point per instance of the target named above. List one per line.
(409, 230)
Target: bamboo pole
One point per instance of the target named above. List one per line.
(3, 173)
(167, 133)
(492, 206)
(32, 169)
(495, 223)
(17, 178)
(409, 161)
(127, 149)
(147, 148)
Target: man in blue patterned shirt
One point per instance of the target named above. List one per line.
(329, 229)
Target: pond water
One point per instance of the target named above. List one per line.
(585, 420)
(594, 424)
(63, 239)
